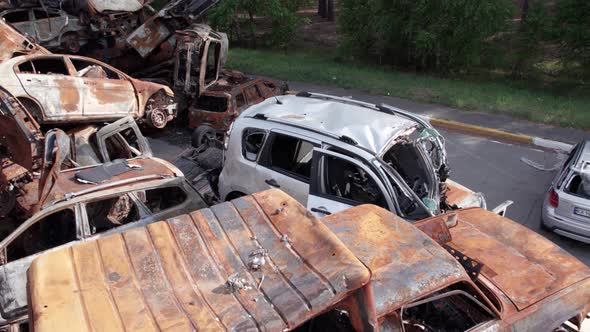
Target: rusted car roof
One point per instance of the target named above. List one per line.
(66, 182)
(197, 272)
(405, 263)
(525, 266)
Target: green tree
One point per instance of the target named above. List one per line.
(573, 31)
(427, 34)
(231, 15)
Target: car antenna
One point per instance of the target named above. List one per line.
(278, 101)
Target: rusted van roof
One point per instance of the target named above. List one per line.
(405, 263)
(261, 262)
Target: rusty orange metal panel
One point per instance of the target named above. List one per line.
(258, 263)
(405, 263)
(521, 263)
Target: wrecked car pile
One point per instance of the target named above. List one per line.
(262, 262)
(97, 234)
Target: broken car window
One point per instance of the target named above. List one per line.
(291, 155)
(42, 14)
(212, 56)
(579, 185)
(252, 141)
(45, 66)
(346, 181)
(123, 145)
(445, 311)
(17, 16)
(109, 213)
(88, 69)
(161, 199)
(240, 100)
(212, 104)
(405, 158)
(53, 230)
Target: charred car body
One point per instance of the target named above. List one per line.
(54, 29)
(28, 154)
(70, 89)
(12, 43)
(332, 153)
(263, 262)
(89, 202)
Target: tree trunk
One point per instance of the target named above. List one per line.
(322, 8)
(330, 10)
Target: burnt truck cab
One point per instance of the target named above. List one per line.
(86, 203)
(263, 262)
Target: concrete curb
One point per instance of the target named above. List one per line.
(500, 134)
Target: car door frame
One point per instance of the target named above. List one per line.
(263, 161)
(89, 82)
(329, 204)
(51, 89)
(117, 127)
(24, 262)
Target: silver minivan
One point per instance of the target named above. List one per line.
(566, 209)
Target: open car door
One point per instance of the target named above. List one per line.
(339, 182)
(122, 139)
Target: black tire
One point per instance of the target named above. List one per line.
(70, 42)
(202, 135)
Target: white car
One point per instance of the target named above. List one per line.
(70, 89)
(566, 209)
(333, 153)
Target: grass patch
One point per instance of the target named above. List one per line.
(496, 96)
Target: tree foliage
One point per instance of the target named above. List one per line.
(573, 30)
(233, 15)
(427, 34)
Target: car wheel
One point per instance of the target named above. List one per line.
(70, 43)
(157, 118)
(202, 135)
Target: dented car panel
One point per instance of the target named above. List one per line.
(12, 43)
(199, 281)
(262, 262)
(38, 234)
(66, 89)
(536, 284)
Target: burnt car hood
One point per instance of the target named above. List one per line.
(524, 265)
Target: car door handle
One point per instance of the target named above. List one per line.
(321, 210)
(272, 183)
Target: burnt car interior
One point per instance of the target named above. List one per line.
(212, 104)
(111, 212)
(346, 181)
(53, 230)
(89, 69)
(407, 161)
(213, 54)
(451, 309)
(45, 66)
(291, 155)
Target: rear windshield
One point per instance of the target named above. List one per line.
(579, 184)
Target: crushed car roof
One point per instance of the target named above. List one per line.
(12, 42)
(524, 265)
(198, 272)
(405, 263)
(371, 129)
(68, 183)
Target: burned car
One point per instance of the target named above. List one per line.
(264, 263)
(90, 202)
(61, 89)
(212, 113)
(27, 153)
(53, 29)
(12, 43)
(333, 153)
